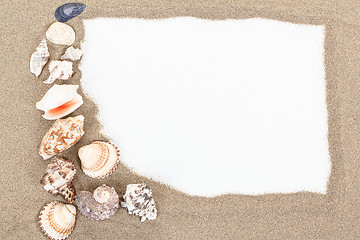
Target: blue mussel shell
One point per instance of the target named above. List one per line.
(67, 11)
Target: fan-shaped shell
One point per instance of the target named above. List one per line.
(99, 159)
(58, 177)
(60, 33)
(39, 58)
(68, 11)
(59, 101)
(63, 134)
(57, 220)
(100, 205)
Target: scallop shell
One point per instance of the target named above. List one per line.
(63, 134)
(39, 58)
(59, 70)
(100, 205)
(58, 178)
(99, 159)
(57, 220)
(68, 11)
(59, 101)
(60, 33)
(139, 201)
(72, 54)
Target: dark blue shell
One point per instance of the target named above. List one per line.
(68, 11)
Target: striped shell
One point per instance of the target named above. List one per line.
(63, 134)
(60, 33)
(39, 58)
(57, 220)
(99, 159)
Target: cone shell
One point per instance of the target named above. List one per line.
(59, 101)
(59, 70)
(63, 134)
(99, 159)
(39, 58)
(60, 33)
(57, 220)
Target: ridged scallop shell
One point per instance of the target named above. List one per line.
(100, 205)
(59, 70)
(72, 54)
(39, 58)
(58, 178)
(57, 220)
(99, 159)
(63, 134)
(138, 200)
(59, 101)
(60, 33)
(68, 11)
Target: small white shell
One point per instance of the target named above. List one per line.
(59, 101)
(57, 220)
(99, 159)
(39, 58)
(59, 70)
(72, 54)
(60, 33)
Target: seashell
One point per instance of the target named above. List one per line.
(39, 58)
(59, 101)
(100, 205)
(59, 70)
(139, 201)
(58, 177)
(63, 134)
(67, 11)
(57, 220)
(60, 33)
(99, 159)
(72, 54)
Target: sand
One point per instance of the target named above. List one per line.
(274, 216)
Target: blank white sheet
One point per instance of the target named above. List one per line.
(212, 107)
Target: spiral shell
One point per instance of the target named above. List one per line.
(39, 58)
(59, 70)
(60, 33)
(57, 220)
(100, 205)
(58, 178)
(63, 134)
(72, 53)
(99, 159)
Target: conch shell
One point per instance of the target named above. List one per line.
(59, 101)
(72, 54)
(63, 134)
(99, 159)
(139, 201)
(59, 70)
(58, 178)
(57, 220)
(39, 58)
(100, 205)
(60, 33)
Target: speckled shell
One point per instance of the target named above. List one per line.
(57, 220)
(100, 205)
(69, 10)
(138, 200)
(39, 58)
(59, 70)
(99, 159)
(60, 33)
(58, 178)
(63, 134)
(59, 101)
(72, 53)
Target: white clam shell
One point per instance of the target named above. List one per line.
(59, 70)
(60, 33)
(72, 53)
(99, 159)
(57, 220)
(62, 135)
(59, 101)
(39, 58)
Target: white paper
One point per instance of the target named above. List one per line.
(212, 107)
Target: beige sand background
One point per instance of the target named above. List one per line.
(304, 215)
